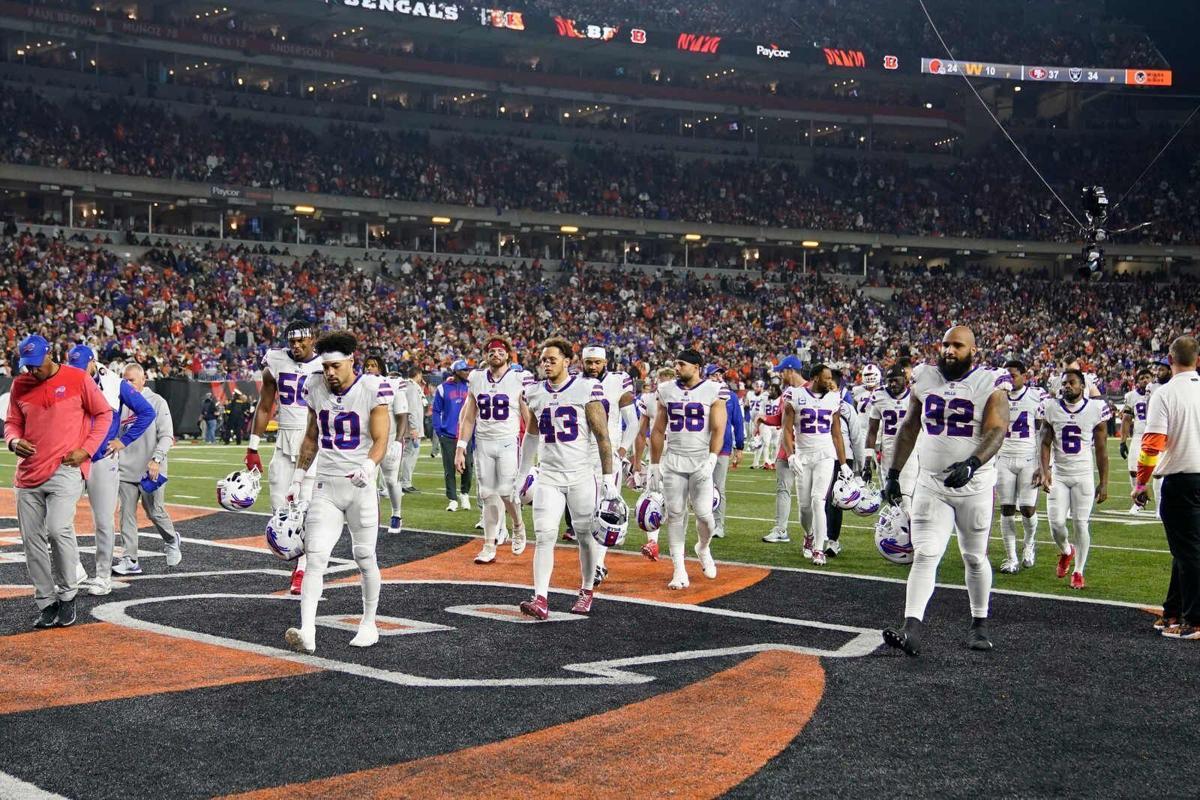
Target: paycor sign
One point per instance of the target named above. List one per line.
(447, 12)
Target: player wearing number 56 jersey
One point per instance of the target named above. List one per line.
(348, 423)
(284, 373)
(961, 414)
(1075, 425)
(492, 412)
(565, 414)
(688, 434)
(1016, 484)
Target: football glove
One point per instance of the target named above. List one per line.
(845, 471)
(252, 460)
(1124, 449)
(959, 474)
(363, 476)
(656, 479)
(867, 470)
(891, 487)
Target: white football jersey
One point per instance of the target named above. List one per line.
(614, 385)
(1024, 410)
(498, 402)
(1137, 404)
(344, 421)
(755, 402)
(813, 419)
(1074, 432)
(952, 422)
(861, 398)
(772, 408)
(1054, 384)
(290, 376)
(399, 405)
(890, 412)
(565, 452)
(688, 433)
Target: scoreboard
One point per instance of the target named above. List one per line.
(1042, 74)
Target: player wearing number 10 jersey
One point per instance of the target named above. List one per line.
(962, 413)
(1074, 426)
(348, 423)
(284, 373)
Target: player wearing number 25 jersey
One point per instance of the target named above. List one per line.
(348, 423)
(961, 414)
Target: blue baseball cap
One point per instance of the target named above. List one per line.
(791, 362)
(80, 356)
(32, 351)
(459, 365)
(711, 370)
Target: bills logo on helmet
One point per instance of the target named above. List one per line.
(847, 492)
(611, 521)
(238, 490)
(892, 537)
(869, 503)
(285, 532)
(650, 511)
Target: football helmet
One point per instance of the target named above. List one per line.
(756, 443)
(650, 510)
(871, 376)
(717, 499)
(892, 537)
(847, 492)
(285, 531)
(610, 521)
(526, 492)
(869, 503)
(238, 490)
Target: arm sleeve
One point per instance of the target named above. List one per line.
(95, 404)
(629, 417)
(1154, 440)
(854, 429)
(144, 413)
(529, 449)
(738, 420)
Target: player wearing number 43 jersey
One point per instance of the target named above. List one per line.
(1075, 425)
(688, 434)
(348, 423)
(284, 373)
(961, 412)
(565, 414)
(1016, 468)
(492, 412)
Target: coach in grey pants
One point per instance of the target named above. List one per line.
(146, 455)
(416, 425)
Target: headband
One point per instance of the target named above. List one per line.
(334, 355)
(594, 352)
(494, 343)
(299, 333)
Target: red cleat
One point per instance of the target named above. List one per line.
(1077, 580)
(1064, 561)
(536, 607)
(650, 550)
(583, 603)
(769, 466)
(568, 535)
(297, 579)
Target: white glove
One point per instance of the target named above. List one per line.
(656, 480)
(845, 471)
(794, 462)
(608, 486)
(363, 476)
(711, 463)
(293, 493)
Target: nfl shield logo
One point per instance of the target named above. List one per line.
(1075, 73)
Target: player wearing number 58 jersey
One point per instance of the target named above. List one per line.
(565, 414)
(1016, 484)
(348, 423)
(688, 434)
(1075, 425)
(960, 412)
(492, 412)
(284, 374)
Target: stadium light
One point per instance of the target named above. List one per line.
(691, 237)
(809, 243)
(441, 220)
(569, 229)
(304, 209)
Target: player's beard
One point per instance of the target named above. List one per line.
(953, 369)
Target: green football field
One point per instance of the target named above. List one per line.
(1129, 560)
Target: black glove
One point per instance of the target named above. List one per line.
(1124, 449)
(891, 487)
(959, 474)
(867, 470)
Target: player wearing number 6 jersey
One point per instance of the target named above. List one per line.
(962, 412)
(1074, 426)
(492, 412)
(348, 423)
(682, 461)
(1016, 484)
(284, 373)
(565, 414)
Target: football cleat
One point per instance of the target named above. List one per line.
(502, 534)
(833, 548)
(1010, 566)
(465, 503)
(1134, 510)
(237, 491)
(479, 525)
(487, 555)
(718, 533)
(569, 535)
(299, 642)
(600, 575)
(818, 558)
(1077, 581)
(977, 637)
(1028, 556)
(536, 607)
(367, 635)
(650, 550)
(1064, 561)
(297, 581)
(583, 603)
(707, 565)
(518, 540)
(777, 536)
(395, 525)
(452, 505)
(679, 580)
(808, 545)
(906, 637)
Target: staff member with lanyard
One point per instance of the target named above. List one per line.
(1171, 451)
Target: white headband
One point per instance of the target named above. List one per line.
(594, 352)
(333, 355)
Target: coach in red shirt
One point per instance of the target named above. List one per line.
(56, 417)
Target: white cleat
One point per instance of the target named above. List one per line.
(1010, 566)
(718, 533)
(518, 541)
(299, 642)
(679, 580)
(479, 525)
(1134, 510)
(367, 635)
(833, 548)
(808, 545)
(465, 503)
(502, 535)
(706, 560)
(452, 505)
(487, 555)
(818, 558)
(1028, 557)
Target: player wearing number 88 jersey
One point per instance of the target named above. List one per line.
(1075, 427)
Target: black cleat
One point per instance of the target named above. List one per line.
(48, 617)
(66, 613)
(977, 637)
(906, 637)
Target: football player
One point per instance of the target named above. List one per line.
(1074, 427)
(284, 374)
(390, 472)
(348, 423)
(1015, 468)
(682, 462)
(1133, 425)
(756, 400)
(887, 409)
(492, 412)
(789, 370)
(861, 399)
(648, 409)
(565, 412)
(853, 439)
(961, 410)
